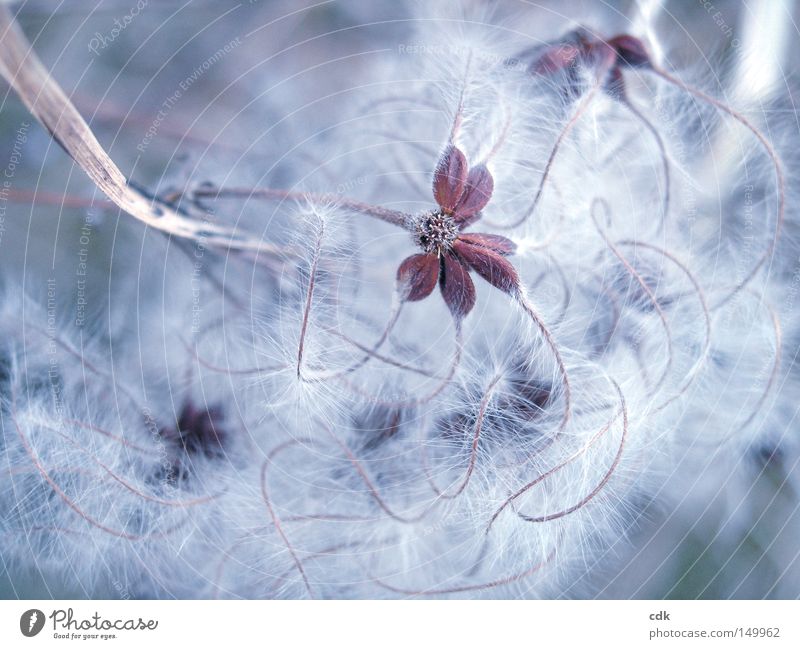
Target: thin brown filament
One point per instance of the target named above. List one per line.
(55, 199)
(527, 307)
(369, 353)
(373, 490)
(117, 438)
(328, 551)
(780, 183)
(776, 361)
(60, 492)
(577, 114)
(594, 439)
(703, 305)
(626, 101)
(501, 139)
(567, 293)
(554, 232)
(457, 118)
(90, 366)
(642, 284)
(327, 516)
(399, 99)
(473, 455)
(601, 485)
(192, 349)
(419, 401)
(227, 555)
(312, 277)
(127, 485)
(279, 528)
(615, 309)
(400, 219)
(373, 353)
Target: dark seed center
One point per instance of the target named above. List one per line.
(436, 232)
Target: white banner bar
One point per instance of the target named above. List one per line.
(400, 624)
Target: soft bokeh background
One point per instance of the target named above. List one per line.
(738, 539)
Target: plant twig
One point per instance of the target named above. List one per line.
(46, 101)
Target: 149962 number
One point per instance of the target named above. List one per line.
(761, 632)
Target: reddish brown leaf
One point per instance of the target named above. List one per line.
(477, 193)
(630, 50)
(494, 268)
(599, 55)
(458, 290)
(449, 178)
(492, 241)
(417, 276)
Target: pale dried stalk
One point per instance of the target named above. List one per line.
(46, 101)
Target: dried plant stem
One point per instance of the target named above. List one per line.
(56, 199)
(45, 99)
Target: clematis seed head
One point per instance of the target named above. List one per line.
(436, 231)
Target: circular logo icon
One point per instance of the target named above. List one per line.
(31, 622)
